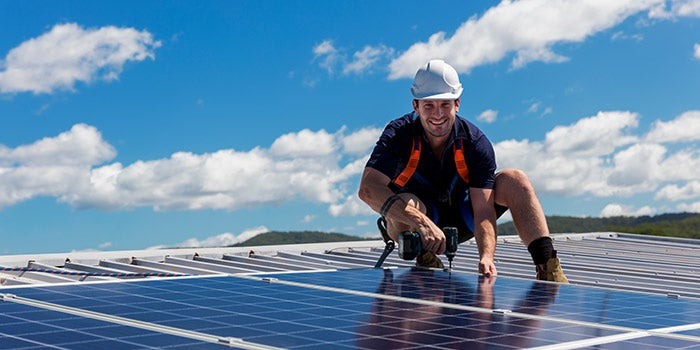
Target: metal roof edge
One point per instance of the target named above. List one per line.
(660, 238)
(93, 257)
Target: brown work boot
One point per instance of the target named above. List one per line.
(429, 259)
(551, 271)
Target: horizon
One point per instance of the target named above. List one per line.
(129, 125)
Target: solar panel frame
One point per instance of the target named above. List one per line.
(294, 310)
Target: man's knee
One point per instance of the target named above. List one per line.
(513, 179)
(512, 184)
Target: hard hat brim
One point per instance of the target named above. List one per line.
(440, 96)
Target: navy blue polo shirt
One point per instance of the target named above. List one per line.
(436, 176)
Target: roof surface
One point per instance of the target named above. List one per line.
(651, 264)
(626, 291)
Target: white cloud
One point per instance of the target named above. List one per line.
(488, 116)
(620, 35)
(696, 53)
(361, 141)
(105, 245)
(686, 127)
(68, 54)
(625, 210)
(327, 54)
(324, 48)
(82, 145)
(599, 134)
(307, 165)
(534, 107)
(308, 218)
(332, 59)
(678, 193)
(363, 60)
(600, 156)
(527, 29)
(636, 168)
(304, 143)
(351, 206)
(686, 8)
(51, 166)
(691, 208)
(678, 8)
(220, 240)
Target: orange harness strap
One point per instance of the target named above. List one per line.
(461, 162)
(407, 173)
(412, 165)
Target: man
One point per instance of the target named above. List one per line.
(432, 169)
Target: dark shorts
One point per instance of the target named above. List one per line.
(459, 215)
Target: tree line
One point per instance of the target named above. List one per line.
(686, 225)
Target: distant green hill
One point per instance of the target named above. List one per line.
(677, 225)
(278, 237)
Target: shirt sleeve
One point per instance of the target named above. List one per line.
(482, 163)
(392, 148)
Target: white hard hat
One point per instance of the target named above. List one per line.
(436, 80)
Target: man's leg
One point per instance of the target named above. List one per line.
(514, 190)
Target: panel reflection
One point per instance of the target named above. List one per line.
(396, 324)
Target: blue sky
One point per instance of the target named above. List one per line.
(128, 125)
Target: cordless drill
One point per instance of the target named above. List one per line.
(410, 245)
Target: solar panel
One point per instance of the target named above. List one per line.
(393, 308)
(585, 304)
(28, 327)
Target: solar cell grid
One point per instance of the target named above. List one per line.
(27, 327)
(401, 308)
(617, 308)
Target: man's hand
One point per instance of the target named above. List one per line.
(487, 267)
(432, 237)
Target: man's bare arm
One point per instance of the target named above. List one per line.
(374, 188)
(405, 210)
(484, 228)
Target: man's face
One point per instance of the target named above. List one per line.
(437, 116)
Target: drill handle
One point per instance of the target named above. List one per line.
(451, 240)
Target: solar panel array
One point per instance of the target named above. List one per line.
(404, 308)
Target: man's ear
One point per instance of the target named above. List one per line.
(457, 101)
(415, 105)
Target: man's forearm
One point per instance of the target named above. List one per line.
(374, 189)
(484, 222)
(404, 210)
(485, 236)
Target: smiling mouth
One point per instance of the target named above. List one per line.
(441, 122)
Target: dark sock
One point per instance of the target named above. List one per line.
(541, 250)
